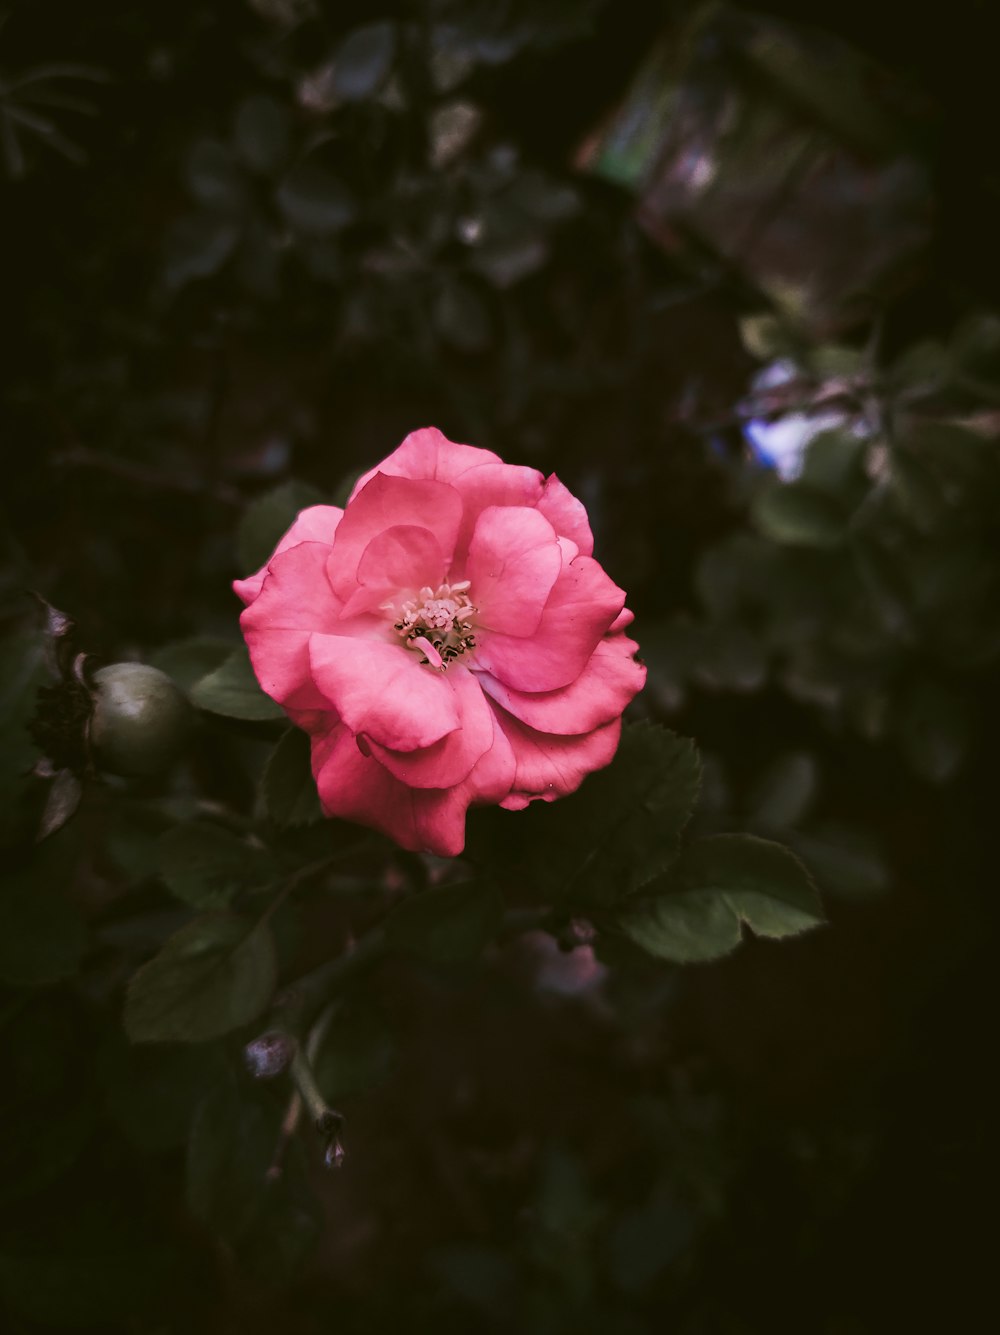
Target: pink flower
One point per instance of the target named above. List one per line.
(446, 639)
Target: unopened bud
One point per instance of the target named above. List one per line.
(269, 1055)
(335, 1154)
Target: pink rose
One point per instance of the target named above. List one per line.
(446, 639)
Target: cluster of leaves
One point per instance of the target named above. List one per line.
(380, 186)
(865, 586)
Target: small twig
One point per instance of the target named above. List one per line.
(327, 1121)
(293, 882)
(289, 1125)
(300, 1002)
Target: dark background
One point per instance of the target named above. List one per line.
(791, 1139)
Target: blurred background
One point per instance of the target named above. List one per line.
(731, 273)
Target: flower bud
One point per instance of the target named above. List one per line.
(139, 721)
(269, 1055)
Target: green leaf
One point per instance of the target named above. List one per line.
(186, 661)
(267, 519)
(356, 1053)
(314, 201)
(718, 885)
(800, 515)
(205, 865)
(623, 826)
(197, 246)
(288, 789)
(363, 61)
(447, 923)
(834, 461)
(214, 975)
(232, 690)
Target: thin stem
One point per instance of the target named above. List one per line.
(292, 883)
(309, 1092)
(302, 1000)
(289, 1125)
(326, 1120)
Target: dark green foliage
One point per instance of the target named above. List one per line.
(356, 1053)
(232, 690)
(268, 518)
(288, 791)
(216, 974)
(449, 923)
(205, 865)
(720, 884)
(624, 826)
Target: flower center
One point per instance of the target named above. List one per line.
(439, 625)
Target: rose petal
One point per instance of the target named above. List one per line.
(384, 503)
(428, 454)
(514, 560)
(393, 566)
(486, 485)
(609, 681)
(318, 523)
(582, 605)
(452, 759)
(547, 766)
(356, 787)
(383, 691)
(294, 601)
(566, 514)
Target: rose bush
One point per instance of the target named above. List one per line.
(446, 639)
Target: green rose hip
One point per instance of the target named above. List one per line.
(139, 721)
